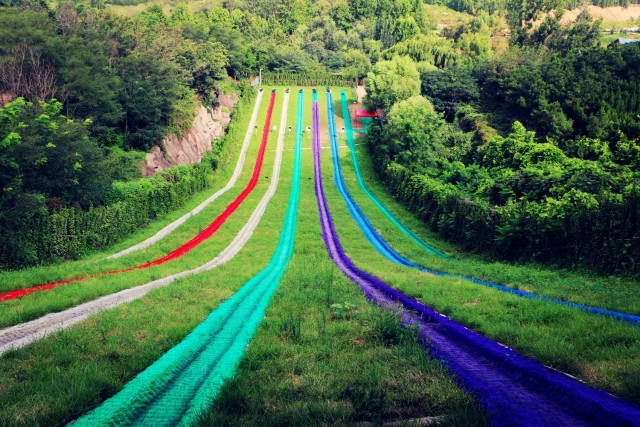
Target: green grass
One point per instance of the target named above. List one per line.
(314, 363)
(601, 351)
(65, 296)
(607, 39)
(378, 370)
(61, 377)
(439, 13)
(311, 363)
(612, 292)
(166, 5)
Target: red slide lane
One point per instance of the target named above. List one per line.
(177, 253)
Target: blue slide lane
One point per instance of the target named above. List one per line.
(515, 390)
(388, 252)
(352, 148)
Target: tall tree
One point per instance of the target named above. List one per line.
(522, 15)
(25, 73)
(414, 132)
(392, 81)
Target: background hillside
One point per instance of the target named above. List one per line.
(486, 74)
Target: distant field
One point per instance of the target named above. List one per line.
(166, 5)
(605, 39)
(617, 16)
(442, 16)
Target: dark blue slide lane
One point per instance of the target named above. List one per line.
(515, 390)
(388, 252)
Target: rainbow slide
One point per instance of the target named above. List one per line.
(513, 389)
(185, 380)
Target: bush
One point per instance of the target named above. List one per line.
(40, 235)
(68, 233)
(579, 229)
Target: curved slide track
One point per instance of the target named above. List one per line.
(232, 181)
(23, 334)
(401, 226)
(186, 379)
(185, 248)
(388, 252)
(513, 389)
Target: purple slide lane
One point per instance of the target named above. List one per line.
(512, 388)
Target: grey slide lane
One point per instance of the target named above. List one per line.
(25, 333)
(232, 181)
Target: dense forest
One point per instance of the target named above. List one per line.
(531, 154)
(523, 147)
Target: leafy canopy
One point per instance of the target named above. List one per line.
(392, 81)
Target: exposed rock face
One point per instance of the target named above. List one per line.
(6, 97)
(208, 126)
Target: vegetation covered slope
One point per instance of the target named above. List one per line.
(92, 90)
(128, 81)
(531, 154)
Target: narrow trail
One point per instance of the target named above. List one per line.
(25, 333)
(354, 159)
(513, 389)
(232, 181)
(385, 249)
(178, 387)
(186, 247)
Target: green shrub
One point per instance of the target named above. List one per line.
(131, 205)
(578, 229)
(40, 235)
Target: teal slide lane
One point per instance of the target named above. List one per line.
(388, 252)
(184, 382)
(352, 148)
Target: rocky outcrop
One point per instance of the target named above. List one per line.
(6, 97)
(208, 126)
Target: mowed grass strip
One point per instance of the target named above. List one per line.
(324, 355)
(61, 377)
(40, 303)
(599, 350)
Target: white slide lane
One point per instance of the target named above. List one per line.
(232, 181)
(25, 333)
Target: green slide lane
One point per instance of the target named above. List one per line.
(186, 380)
(352, 149)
